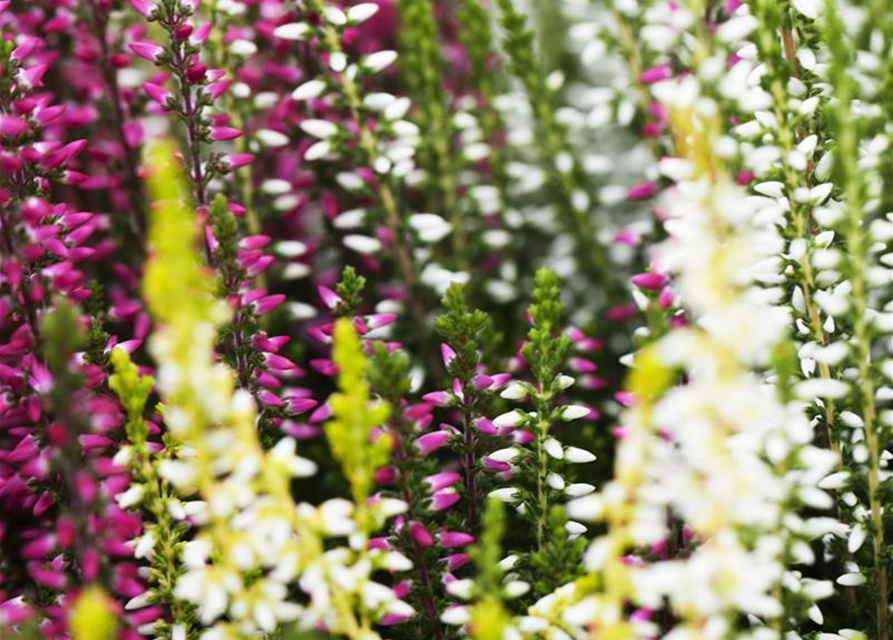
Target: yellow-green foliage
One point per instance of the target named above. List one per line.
(650, 377)
(489, 617)
(179, 291)
(176, 287)
(92, 617)
(356, 415)
(133, 390)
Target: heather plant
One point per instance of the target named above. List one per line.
(443, 319)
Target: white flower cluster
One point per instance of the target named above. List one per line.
(723, 453)
(546, 451)
(388, 148)
(253, 541)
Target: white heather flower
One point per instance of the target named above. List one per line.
(318, 150)
(854, 579)
(309, 90)
(578, 456)
(362, 12)
(362, 244)
(516, 588)
(515, 391)
(462, 589)
(379, 60)
(808, 8)
(574, 412)
(455, 615)
(430, 227)
(317, 128)
(284, 453)
(242, 47)
(272, 139)
(505, 455)
(131, 497)
(553, 448)
(334, 15)
(506, 494)
(296, 31)
(337, 61)
(821, 388)
(589, 508)
(555, 481)
(144, 546)
(509, 419)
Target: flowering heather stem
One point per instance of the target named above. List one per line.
(386, 196)
(233, 107)
(799, 216)
(857, 248)
(423, 64)
(110, 76)
(477, 36)
(574, 203)
(470, 463)
(420, 567)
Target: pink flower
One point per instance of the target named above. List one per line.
(145, 7)
(431, 442)
(451, 539)
(447, 353)
(642, 191)
(656, 74)
(650, 280)
(238, 160)
(443, 480)
(438, 398)
(443, 500)
(158, 93)
(420, 534)
(146, 50)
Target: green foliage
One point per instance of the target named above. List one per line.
(97, 339)
(350, 290)
(463, 329)
(62, 337)
(132, 390)
(546, 345)
(568, 187)
(477, 38)
(422, 68)
(355, 415)
(389, 373)
(226, 231)
(558, 561)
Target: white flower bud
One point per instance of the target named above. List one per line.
(309, 90)
(574, 412)
(379, 60)
(361, 12)
(578, 456)
(505, 455)
(295, 31)
(506, 494)
(515, 391)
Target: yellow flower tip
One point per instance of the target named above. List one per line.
(93, 616)
(488, 619)
(650, 376)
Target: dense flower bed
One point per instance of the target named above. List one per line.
(432, 319)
